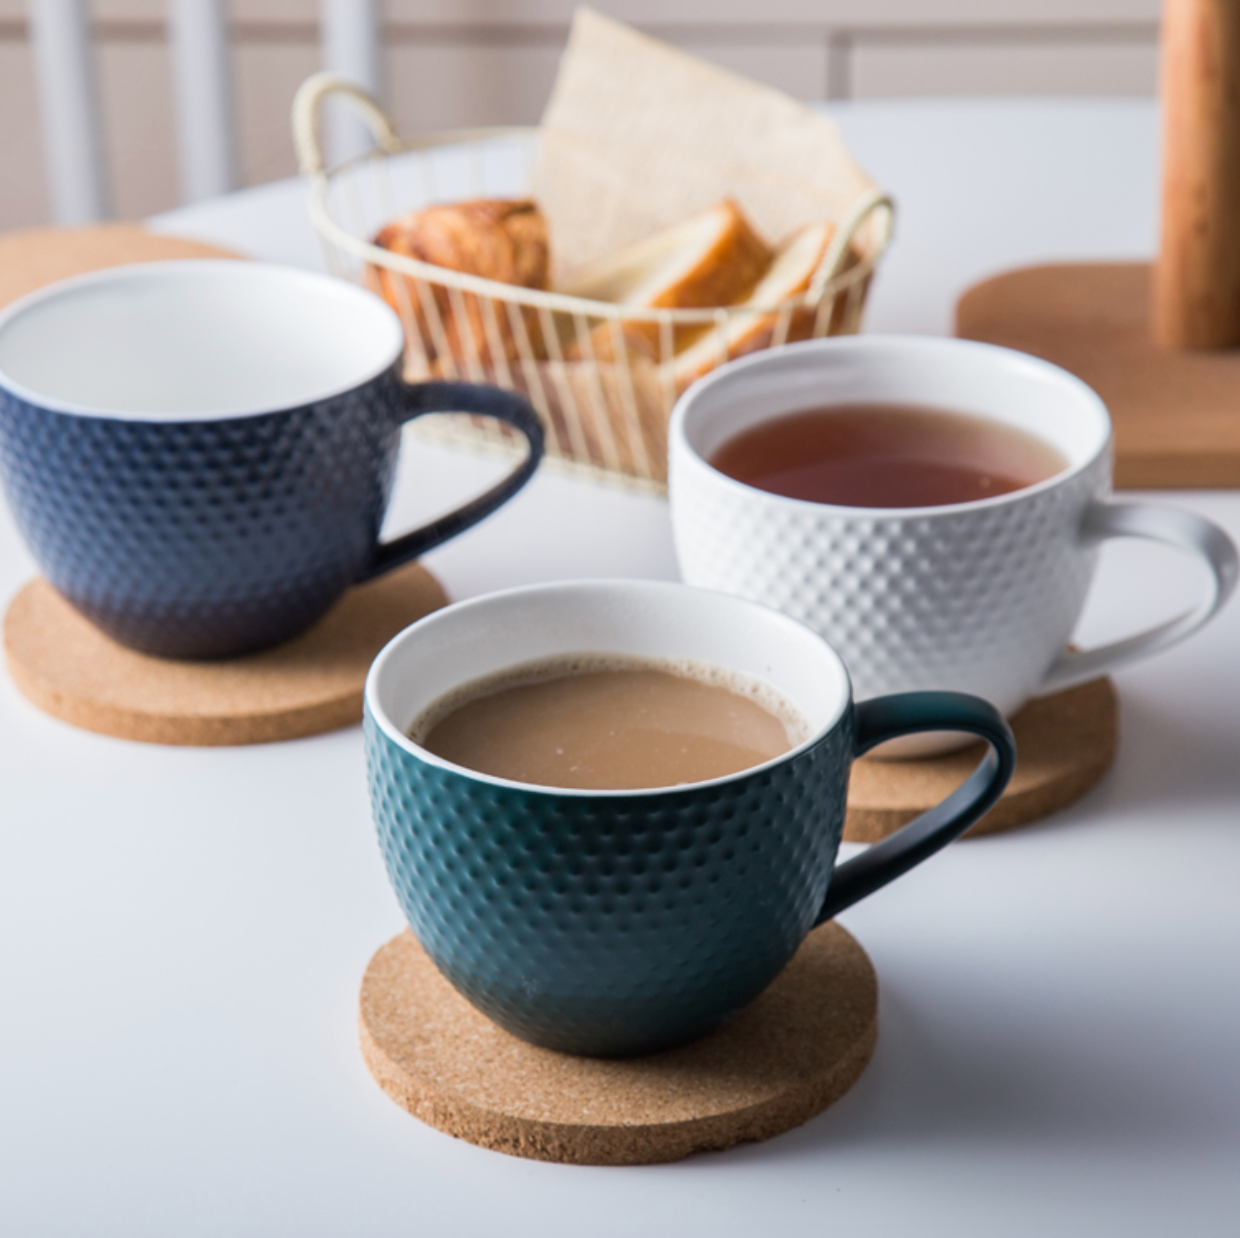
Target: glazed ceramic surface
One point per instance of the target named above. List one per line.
(200, 454)
(979, 597)
(620, 922)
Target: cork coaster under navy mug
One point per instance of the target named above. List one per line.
(199, 454)
(62, 664)
(614, 923)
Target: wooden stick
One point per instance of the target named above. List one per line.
(1197, 278)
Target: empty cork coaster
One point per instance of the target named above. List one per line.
(39, 256)
(1174, 412)
(71, 670)
(795, 1050)
(1064, 745)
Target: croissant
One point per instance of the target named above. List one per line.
(496, 239)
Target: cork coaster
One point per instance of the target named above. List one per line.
(39, 256)
(1174, 413)
(795, 1050)
(69, 669)
(1064, 745)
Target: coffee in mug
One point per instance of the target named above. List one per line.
(609, 722)
(886, 455)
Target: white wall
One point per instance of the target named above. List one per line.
(459, 62)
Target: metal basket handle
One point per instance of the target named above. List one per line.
(860, 211)
(306, 118)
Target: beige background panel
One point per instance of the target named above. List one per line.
(23, 189)
(854, 12)
(989, 67)
(443, 83)
(265, 78)
(649, 12)
(797, 66)
(450, 64)
(135, 90)
(448, 85)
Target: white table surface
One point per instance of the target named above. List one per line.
(183, 932)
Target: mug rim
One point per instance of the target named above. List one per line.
(165, 268)
(775, 357)
(448, 614)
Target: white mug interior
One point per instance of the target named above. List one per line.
(956, 375)
(644, 619)
(202, 338)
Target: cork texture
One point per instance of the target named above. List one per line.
(789, 1055)
(38, 256)
(1064, 745)
(1174, 412)
(69, 669)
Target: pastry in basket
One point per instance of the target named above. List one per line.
(713, 258)
(496, 239)
(789, 275)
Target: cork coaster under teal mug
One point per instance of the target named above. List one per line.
(788, 1056)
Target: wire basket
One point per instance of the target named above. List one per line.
(605, 403)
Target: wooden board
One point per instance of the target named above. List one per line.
(1176, 413)
(795, 1050)
(39, 256)
(1064, 745)
(71, 670)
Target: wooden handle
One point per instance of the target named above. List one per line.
(1197, 277)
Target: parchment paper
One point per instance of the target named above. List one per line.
(637, 136)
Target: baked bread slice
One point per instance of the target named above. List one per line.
(788, 276)
(493, 238)
(712, 258)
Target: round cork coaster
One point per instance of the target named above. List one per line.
(787, 1056)
(1064, 745)
(71, 670)
(38, 256)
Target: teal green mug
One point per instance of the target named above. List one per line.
(613, 923)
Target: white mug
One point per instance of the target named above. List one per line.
(980, 597)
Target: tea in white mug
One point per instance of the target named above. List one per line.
(886, 455)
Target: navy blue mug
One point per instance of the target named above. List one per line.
(200, 454)
(610, 923)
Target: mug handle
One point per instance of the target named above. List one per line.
(907, 713)
(1172, 527)
(421, 399)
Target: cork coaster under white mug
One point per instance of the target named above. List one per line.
(69, 669)
(1065, 743)
(787, 1056)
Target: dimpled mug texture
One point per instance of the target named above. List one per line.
(200, 454)
(978, 597)
(609, 922)
(616, 924)
(981, 600)
(202, 538)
